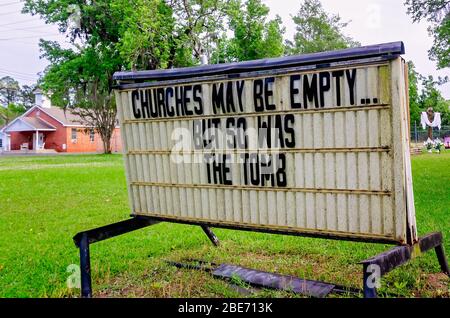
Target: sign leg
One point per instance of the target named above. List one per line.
(212, 237)
(85, 267)
(442, 259)
(369, 289)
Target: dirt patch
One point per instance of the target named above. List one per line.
(436, 285)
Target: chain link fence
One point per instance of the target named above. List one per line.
(419, 135)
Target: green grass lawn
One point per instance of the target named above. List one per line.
(44, 201)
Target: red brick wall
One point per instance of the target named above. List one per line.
(116, 141)
(18, 138)
(84, 144)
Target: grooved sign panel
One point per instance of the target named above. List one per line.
(309, 150)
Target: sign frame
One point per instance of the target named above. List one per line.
(396, 97)
(409, 245)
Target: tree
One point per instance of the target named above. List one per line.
(414, 98)
(12, 94)
(253, 36)
(8, 113)
(26, 96)
(113, 35)
(427, 96)
(318, 31)
(166, 34)
(79, 78)
(199, 22)
(437, 12)
(9, 90)
(432, 97)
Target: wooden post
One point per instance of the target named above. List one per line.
(430, 114)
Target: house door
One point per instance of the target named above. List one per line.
(41, 140)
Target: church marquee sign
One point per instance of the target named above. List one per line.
(313, 145)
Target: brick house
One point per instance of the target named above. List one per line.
(44, 128)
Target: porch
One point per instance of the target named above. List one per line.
(28, 135)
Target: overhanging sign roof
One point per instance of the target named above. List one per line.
(393, 50)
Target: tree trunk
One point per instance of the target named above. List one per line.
(106, 144)
(107, 147)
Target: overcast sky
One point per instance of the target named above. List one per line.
(371, 22)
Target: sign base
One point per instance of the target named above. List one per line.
(373, 268)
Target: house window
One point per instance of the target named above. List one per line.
(74, 135)
(1, 143)
(92, 135)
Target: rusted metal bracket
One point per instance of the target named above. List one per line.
(83, 239)
(380, 264)
(377, 266)
(114, 229)
(256, 278)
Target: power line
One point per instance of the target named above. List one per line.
(29, 37)
(6, 13)
(19, 22)
(28, 79)
(20, 76)
(25, 28)
(28, 29)
(23, 78)
(33, 43)
(9, 3)
(20, 73)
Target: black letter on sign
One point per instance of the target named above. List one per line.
(170, 108)
(227, 170)
(240, 90)
(324, 86)
(255, 176)
(310, 91)
(199, 109)
(281, 172)
(290, 143)
(338, 75)
(153, 103)
(294, 91)
(144, 104)
(229, 98)
(268, 93)
(134, 97)
(197, 134)
(161, 103)
(264, 132)
(187, 100)
(179, 101)
(217, 98)
(257, 95)
(351, 79)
